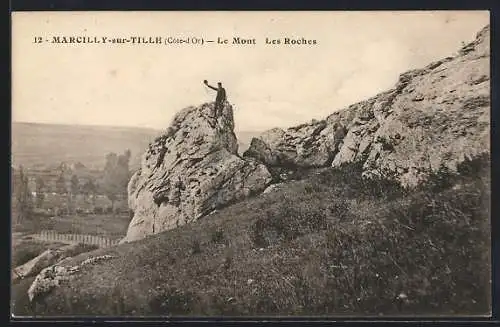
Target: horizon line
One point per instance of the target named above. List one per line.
(108, 126)
(84, 125)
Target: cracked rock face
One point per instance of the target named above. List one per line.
(190, 170)
(435, 116)
(308, 145)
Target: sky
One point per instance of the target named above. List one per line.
(357, 55)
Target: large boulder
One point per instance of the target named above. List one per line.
(190, 170)
(55, 275)
(45, 259)
(307, 145)
(434, 117)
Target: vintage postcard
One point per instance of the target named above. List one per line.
(259, 164)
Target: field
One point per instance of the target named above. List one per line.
(331, 244)
(48, 144)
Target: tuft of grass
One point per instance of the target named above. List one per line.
(81, 248)
(196, 247)
(218, 236)
(171, 301)
(228, 260)
(286, 221)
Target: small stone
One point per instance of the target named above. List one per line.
(402, 296)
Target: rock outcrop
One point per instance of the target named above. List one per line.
(55, 275)
(45, 259)
(190, 170)
(435, 116)
(307, 145)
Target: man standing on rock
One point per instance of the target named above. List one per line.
(219, 99)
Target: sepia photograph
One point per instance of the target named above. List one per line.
(250, 164)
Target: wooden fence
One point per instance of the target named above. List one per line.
(53, 236)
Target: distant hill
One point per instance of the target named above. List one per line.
(42, 145)
(50, 144)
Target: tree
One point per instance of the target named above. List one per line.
(74, 189)
(40, 191)
(75, 185)
(61, 184)
(89, 188)
(116, 176)
(62, 189)
(111, 162)
(109, 184)
(128, 154)
(23, 202)
(123, 171)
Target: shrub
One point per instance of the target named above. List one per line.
(349, 181)
(475, 170)
(195, 247)
(286, 221)
(338, 210)
(171, 301)
(218, 236)
(228, 261)
(81, 248)
(386, 144)
(440, 180)
(310, 189)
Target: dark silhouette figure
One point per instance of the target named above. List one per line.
(219, 99)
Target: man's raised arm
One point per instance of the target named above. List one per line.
(210, 86)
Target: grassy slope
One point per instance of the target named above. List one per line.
(25, 250)
(329, 245)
